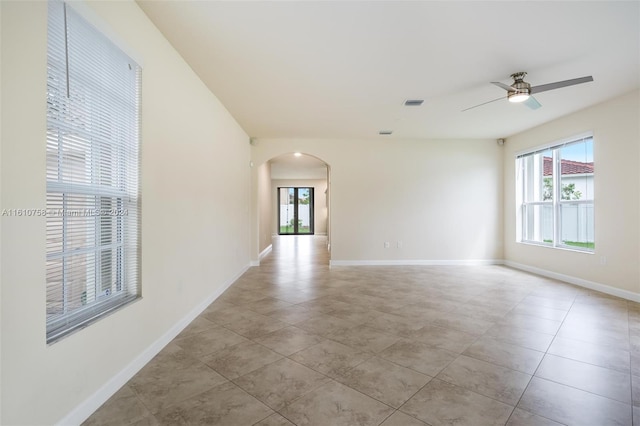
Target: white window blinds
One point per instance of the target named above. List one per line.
(93, 200)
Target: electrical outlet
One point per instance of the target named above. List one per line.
(603, 260)
(399, 245)
(386, 244)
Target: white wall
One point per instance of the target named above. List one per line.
(195, 212)
(616, 134)
(264, 205)
(1, 205)
(319, 201)
(453, 188)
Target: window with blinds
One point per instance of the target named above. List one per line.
(555, 195)
(93, 199)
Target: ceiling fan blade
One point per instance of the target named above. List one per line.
(504, 86)
(484, 103)
(532, 103)
(559, 84)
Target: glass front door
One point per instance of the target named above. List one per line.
(295, 211)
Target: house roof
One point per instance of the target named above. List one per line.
(568, 167)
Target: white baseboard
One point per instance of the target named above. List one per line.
(416, 262)
(261, 256)
(591, 285)
(91, 404)
(265, 252)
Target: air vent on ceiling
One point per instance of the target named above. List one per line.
(385, 132)
(413, 102)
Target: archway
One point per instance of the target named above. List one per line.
(283, 173)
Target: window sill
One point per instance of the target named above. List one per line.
(564, 248)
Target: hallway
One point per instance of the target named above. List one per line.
(295, 342)
(299, 251)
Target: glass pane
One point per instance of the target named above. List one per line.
(75, 286)
(577, 225)
(577, 170)
(304, 212)
(286, 211)
(538, 223)
(538, 177)
(55, 287)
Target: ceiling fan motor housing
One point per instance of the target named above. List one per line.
(521, 89)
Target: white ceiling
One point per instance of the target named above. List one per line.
(342, 69)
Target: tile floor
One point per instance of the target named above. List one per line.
(293, 342)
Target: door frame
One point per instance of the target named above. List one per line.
(295, 210)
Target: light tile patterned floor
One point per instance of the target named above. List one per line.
(294, 342)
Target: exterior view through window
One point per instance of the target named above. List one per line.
(555, 195)
(295, 211)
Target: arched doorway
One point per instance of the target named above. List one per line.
(292, 199)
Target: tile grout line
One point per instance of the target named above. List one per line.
(538, 367)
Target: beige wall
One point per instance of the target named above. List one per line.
(1, 205)
(195, 237)
(616, 132)
(441, 198)
(319, 201)
(264, 205)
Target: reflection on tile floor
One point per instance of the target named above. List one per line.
(293, 342)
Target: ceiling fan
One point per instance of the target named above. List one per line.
(520, 91)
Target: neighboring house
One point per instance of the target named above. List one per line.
(574, 216)
(576, 172)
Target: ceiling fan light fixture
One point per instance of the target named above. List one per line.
(518, 97)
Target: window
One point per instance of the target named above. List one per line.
(93, 203)
(555, 195)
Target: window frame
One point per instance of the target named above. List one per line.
(296, 205)
(93, 174)
(556, 202)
